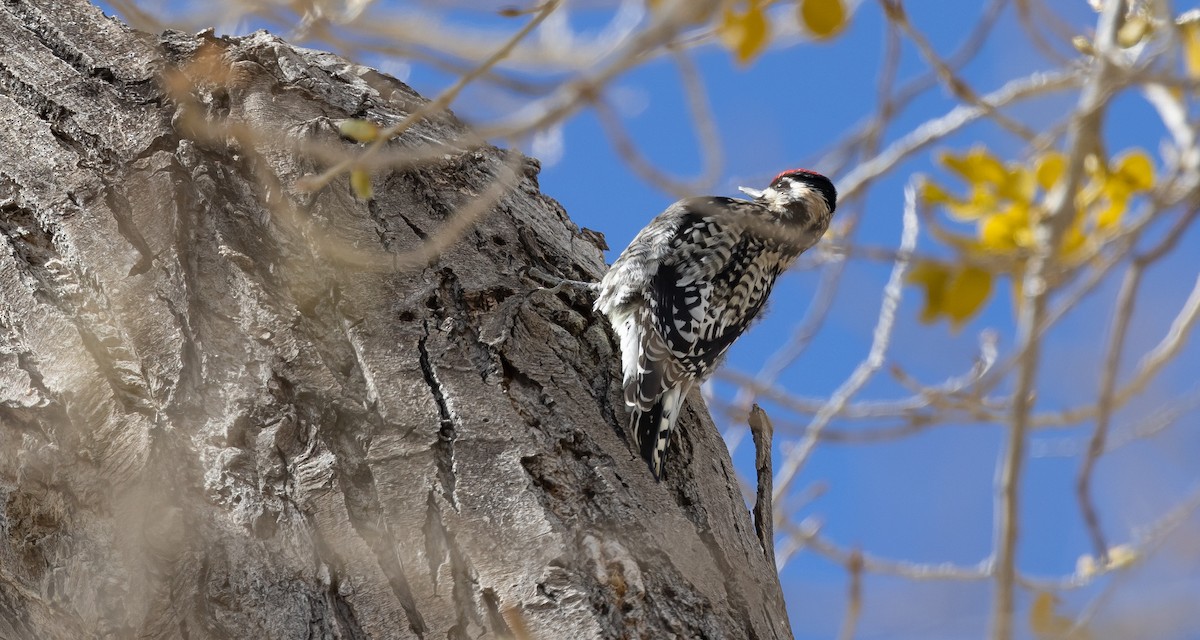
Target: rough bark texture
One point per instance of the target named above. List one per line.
(210, 427)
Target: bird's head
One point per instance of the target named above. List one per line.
(798, 187)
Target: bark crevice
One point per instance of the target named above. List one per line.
(444, 446)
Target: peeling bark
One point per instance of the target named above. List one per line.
(211, 426)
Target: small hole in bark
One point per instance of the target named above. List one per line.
(406, 316)
(499, 240)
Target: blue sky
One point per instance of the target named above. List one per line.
(925, 498)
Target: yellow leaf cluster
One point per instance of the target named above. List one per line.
(1111, 188)
(1005, 202)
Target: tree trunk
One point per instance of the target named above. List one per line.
(234, 408)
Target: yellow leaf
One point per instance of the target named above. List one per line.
(360, 183)
(1048, 624)
(1007, 230)
(1136, 170)
(932, 193)
(1073, 240)
(954, 292)
(996, 233)
(1023, 236)
(978, 166)
(1049, 169)
(1133, 172)
(932, 277)
(1043, 619)
(987, 167)
(745, 34)
(1191, 47)
(965, 294)
(982, 202)
(359, 130)
(955, 163)
(1018, 184)
(1111, 216)
(823, 18)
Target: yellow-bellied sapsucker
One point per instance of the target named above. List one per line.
(692, 281)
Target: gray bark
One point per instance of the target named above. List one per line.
(213, 425)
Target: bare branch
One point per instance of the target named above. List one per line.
(933, 130)
(807, 534)
(879, 344)
(955, 84)
(708, 138)
(1047, 236)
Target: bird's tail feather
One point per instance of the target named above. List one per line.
(652, 429)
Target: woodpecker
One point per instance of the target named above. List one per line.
(692, 281)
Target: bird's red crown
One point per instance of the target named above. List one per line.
(793, 171)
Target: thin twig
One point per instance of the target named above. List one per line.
(1166, 350)
(954, 83)
(948, 393)
(933, 130)
(807, 534)
(879, 344)
(854, 599)
(437, 105)
(708, 138)
(1104, 407)
(764, 522)
(892, 103)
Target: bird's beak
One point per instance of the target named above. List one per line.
(753, 193)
